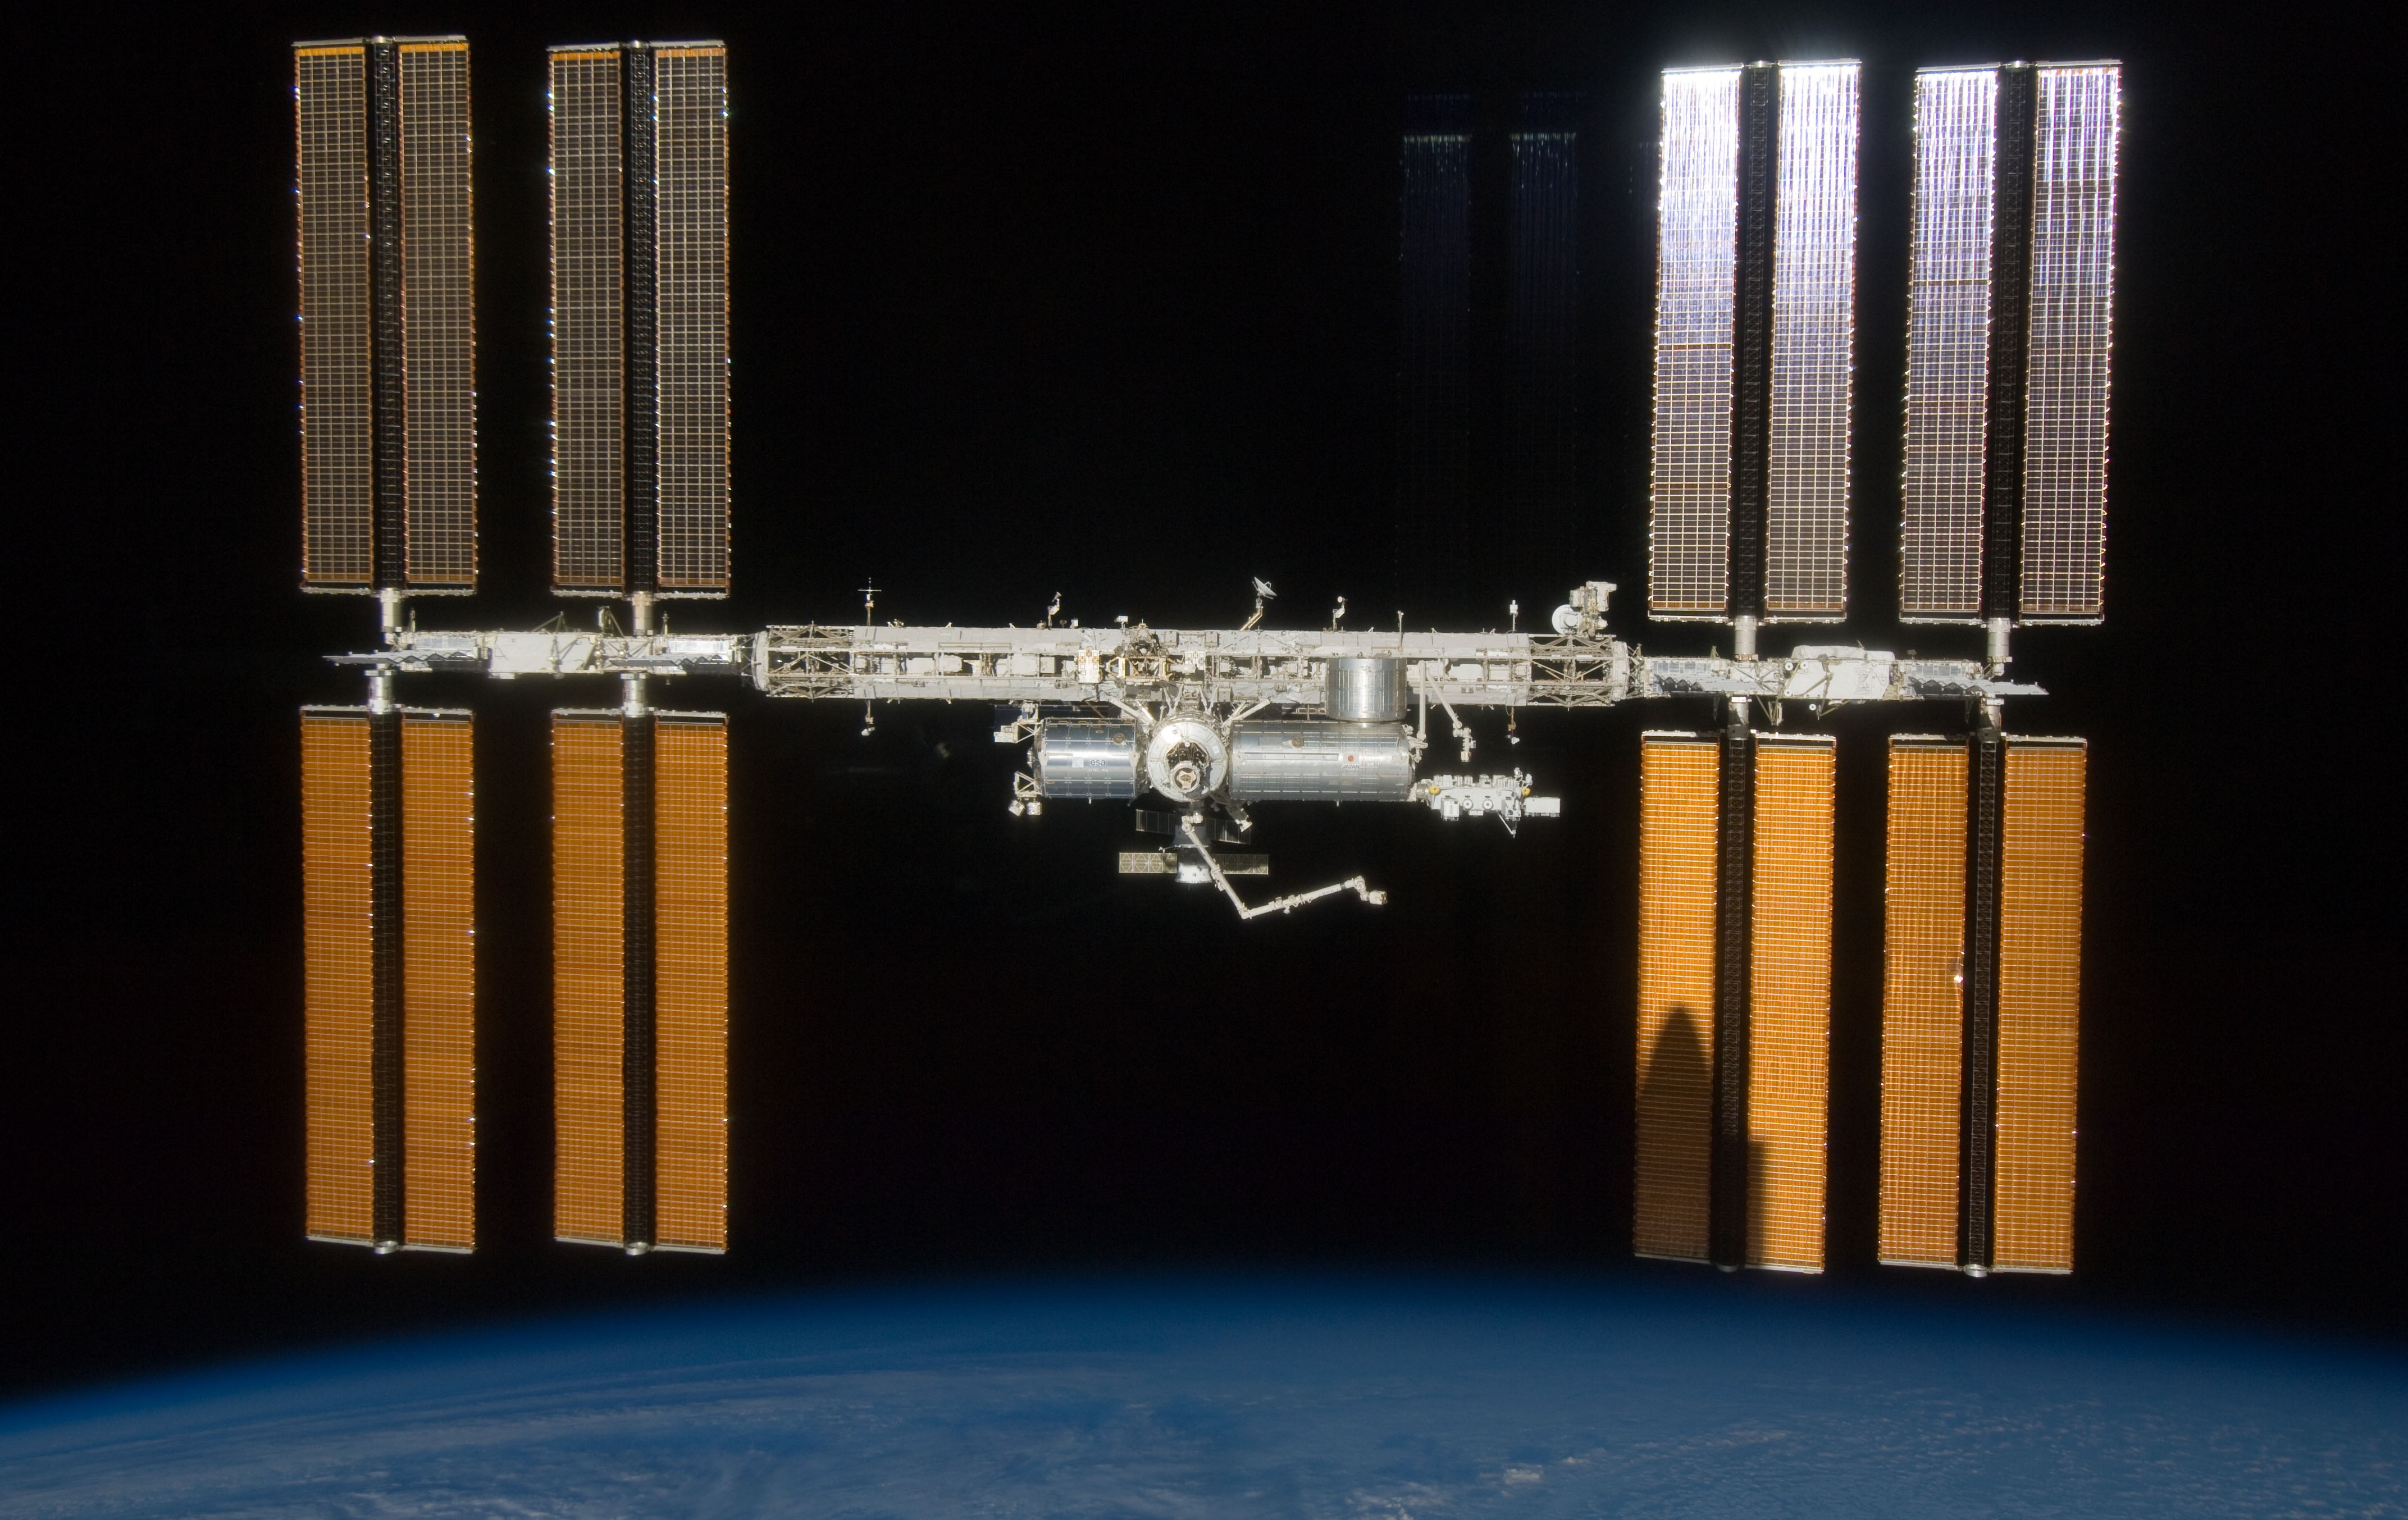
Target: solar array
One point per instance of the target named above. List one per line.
(388, 807)
(1735, 843)
(388, 324)
(640, 952)
(2005, 462)
(1980, 999)
(2008, 340)
(640, 320)
(1755, 344)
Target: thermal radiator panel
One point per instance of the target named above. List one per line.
(2040, 983)
(1923, 1011)
(691, 961)
(330, 124)
(1688, 534)
(439, 980)
(691, 85)
(1789, 1005)
(2072, 277)
(588, 851)
(1948, 345)
(338, 985)
(1814, 333)
(439, 316)
(588, 316)
(1677, 790)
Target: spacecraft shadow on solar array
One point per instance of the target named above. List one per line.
(2004, 476)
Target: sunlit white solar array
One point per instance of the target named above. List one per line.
(1688, 531)
(2062, 332)
(2073, 273)
(1813, 312)
(1801, 406)
(1948, 343)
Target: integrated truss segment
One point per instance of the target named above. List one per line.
(1219, 667)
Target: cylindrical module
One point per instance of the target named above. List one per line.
(1309, 761)
(1095, 761)
(1366, 690)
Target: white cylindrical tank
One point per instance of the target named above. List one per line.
(1304, 760)
(1097, 761)
(1365, 689)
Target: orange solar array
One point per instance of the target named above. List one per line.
(1789, 1007)
(2040, 983)
(339, 995)
(587, 851)
(439, 981)
(1923, 1006)
(690, 810)
(1677, 775)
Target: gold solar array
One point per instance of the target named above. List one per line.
(1789, 1006)
(1923, 1005)
(439, 981)
(691, 958)
(439, 316)
(330, 121)
(340, 993)
(2040, 976)
(1677, 776)
(691, 84)
(588, 297)
(588, 932)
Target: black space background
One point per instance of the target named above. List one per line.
(1101, 299)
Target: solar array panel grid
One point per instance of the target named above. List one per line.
(2039, 985)
(1814, 344)
(691, 960)
(1434, 337)
(588, 321)
(1677, 780)
(1688, 533)
(2072, 277)
(588, 850)
(692, 89)
(1922, 1014)
(1789, 1007)
(1948, 345)
(439, 316)
(339, 991)
(439, 908)
(330, 121)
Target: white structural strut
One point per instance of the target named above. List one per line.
(1209, 667)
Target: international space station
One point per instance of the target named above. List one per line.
(2004, 490)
